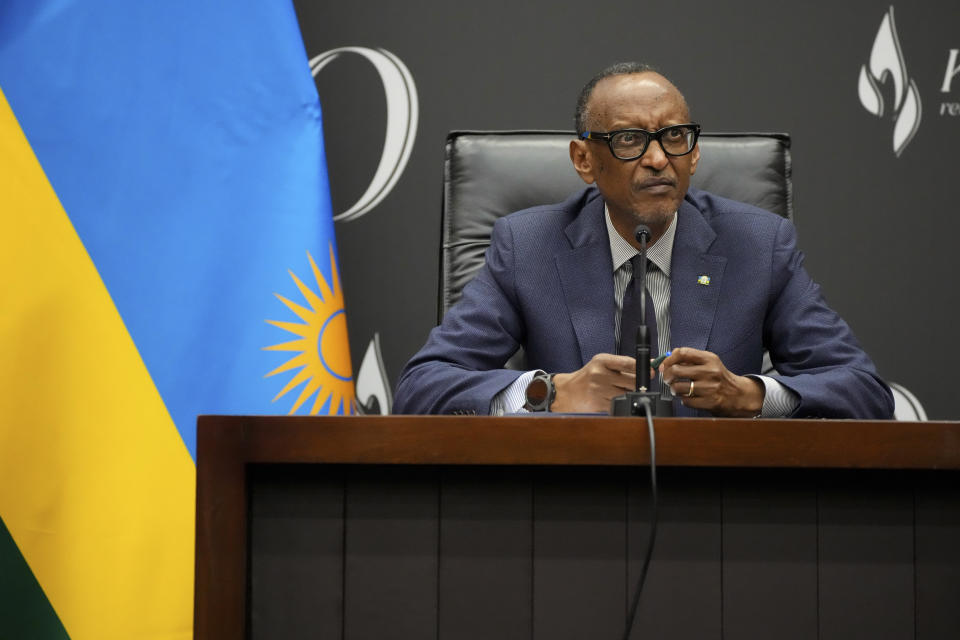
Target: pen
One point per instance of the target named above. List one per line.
(659, 360)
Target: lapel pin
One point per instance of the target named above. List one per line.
(704, 280)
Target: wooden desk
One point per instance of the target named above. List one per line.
(535, 527)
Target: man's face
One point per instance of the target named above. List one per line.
(647, 189)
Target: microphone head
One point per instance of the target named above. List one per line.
(642, 234)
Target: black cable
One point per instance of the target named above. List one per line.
(653, 519)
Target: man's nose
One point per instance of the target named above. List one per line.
(654, 157)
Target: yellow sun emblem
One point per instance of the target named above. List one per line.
(323, 353)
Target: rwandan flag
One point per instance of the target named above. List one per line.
(166, 250)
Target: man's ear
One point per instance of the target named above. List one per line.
(582, 160)
(694, 159)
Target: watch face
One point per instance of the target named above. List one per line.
(537, 392)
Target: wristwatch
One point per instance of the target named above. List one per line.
(540, 392)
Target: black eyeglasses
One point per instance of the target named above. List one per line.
(630, 144)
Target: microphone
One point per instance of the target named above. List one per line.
(642, 354)
(632, 404)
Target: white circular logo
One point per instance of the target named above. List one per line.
(402, 111)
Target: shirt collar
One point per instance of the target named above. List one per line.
(659, 253)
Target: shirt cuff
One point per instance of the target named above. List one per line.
(778, 401)
(513, 398)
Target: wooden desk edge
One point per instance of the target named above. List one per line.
(587, 440)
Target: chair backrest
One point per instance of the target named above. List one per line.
(488, 174)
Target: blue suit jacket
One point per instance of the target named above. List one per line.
(547, 285)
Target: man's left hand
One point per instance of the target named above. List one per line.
(701, 381)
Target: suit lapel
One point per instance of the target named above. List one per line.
(695, 279)
(587, 281)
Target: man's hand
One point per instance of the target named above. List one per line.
(590, 389)
(714, 387)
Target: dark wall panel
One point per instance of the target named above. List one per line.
(685, 573)
(296, 552)
(866, 556)
(390, 582)
(770, 556)
(579, 554)
(938, 555)
(486, 551)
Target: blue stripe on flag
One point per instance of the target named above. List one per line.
(184, 140)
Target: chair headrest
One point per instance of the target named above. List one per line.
(488, 174)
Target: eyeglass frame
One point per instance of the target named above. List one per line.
(651, 136)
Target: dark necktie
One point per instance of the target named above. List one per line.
(630, 317)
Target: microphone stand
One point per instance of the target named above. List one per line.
(641, 402)
(631, 404)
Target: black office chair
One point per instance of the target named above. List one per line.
(488, 174)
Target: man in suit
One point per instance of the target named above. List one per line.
(725, 280)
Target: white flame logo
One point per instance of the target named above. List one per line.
(886, 61)
(402, 114)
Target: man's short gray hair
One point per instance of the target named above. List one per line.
(618, 69)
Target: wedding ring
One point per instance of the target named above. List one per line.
(690, 393)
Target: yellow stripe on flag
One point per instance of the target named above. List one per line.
(96, 485)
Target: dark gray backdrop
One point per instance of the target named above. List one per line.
(878, 230)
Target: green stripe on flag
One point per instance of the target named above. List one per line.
(25, 611)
